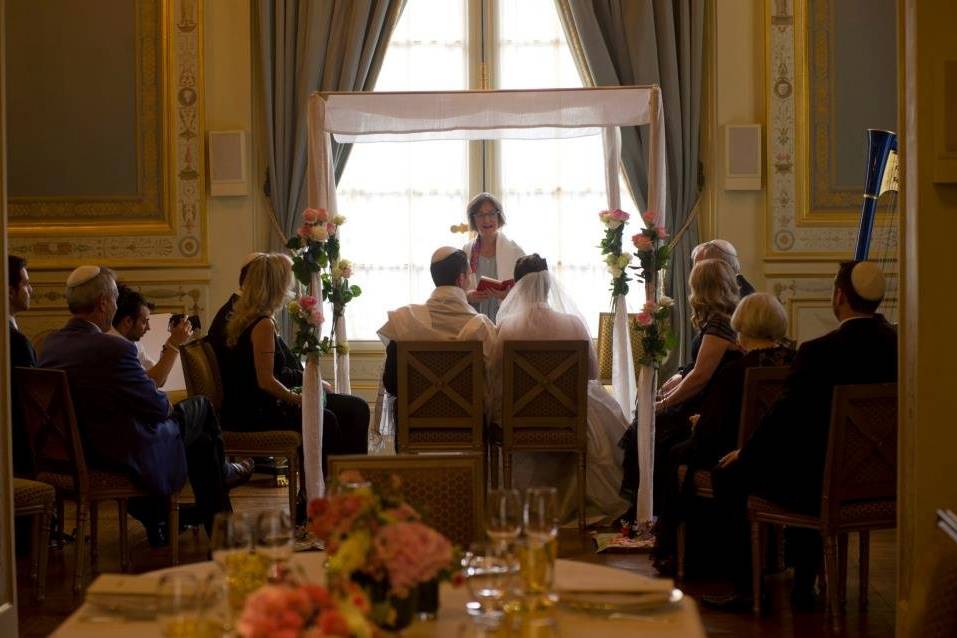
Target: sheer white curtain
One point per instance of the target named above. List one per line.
(401, 198)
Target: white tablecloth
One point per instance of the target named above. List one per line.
(683, 620)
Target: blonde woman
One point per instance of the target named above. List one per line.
(257, 380)
(714, 296)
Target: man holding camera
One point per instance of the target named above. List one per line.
(132, 321)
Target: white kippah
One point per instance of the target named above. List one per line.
(442, 253)
(250, 258)
(868, 281)
(82, 275)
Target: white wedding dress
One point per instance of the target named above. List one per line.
(538, 309)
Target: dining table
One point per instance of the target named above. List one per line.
(679, 618)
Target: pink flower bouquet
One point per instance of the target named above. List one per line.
(291, 610)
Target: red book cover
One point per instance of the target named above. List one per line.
(487, 283)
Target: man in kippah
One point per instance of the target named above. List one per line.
(128, 425)
(783, 461)
(446, 316)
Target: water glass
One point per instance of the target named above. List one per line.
(275, 537)
(503, 516)
(232, 543)
(489, 570)
(179, 605)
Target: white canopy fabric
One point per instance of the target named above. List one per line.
(528, 114)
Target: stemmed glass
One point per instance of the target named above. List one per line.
(541, 513)
(503, 517)
(274, 539)
(541, 529)
(232, 542)
(179, 603)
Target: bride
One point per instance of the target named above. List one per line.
(538, 308)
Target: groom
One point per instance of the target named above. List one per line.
(446, 316)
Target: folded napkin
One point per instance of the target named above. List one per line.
(580, 577)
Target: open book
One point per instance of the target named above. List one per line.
(487, 283)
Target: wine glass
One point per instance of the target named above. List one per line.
(489, 569)
(232, 544)
(541, 513)
(178, 607)
(274, 539)
(541, 530)
(503, 518)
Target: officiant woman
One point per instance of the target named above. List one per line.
(491, 253)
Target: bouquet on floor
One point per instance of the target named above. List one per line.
(293, 609)
(378, 541)
(616, 261)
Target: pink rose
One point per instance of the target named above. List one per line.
(662, 233)
(322, 215)
(304, 231)
(308, 302)
(316, 317)
(642, 242)
(650, 217)
(645, 319)
(620, 215)
(331, 229)
(649, 307)
(310, 216)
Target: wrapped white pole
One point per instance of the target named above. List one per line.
(646, 376)
(622, 363)
(343, 384)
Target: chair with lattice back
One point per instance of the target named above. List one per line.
(762, 387)
(859, 491)
(448, 490)
(57, 449)
(441, 396)
(201, 373)
(545, 404)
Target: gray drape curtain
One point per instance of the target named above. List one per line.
(627, 42)
(305, 46)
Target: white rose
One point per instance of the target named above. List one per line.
(667, 302)
(624, 260)
(615, 271)
(613, 224)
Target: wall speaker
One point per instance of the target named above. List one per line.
(228, 173)
(742, 157)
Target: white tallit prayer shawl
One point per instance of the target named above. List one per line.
(521, 114)
(446, 316)
(507, 253)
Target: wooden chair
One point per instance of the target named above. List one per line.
(35, 499)
(762, 387)
(201, 373)
(448, 490)
(544, 405)
(57, 448)
(859, 492)
(441, 400)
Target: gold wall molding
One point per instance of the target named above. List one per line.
(179, 238)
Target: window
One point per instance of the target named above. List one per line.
(401, 198)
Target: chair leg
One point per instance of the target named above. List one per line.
(44, 542)
(832, 568)
(34, 549)
(864, 551)
(842, 568)
(61, 520)
(493, 465)
(79, 573)
(507, 468)
(582, 460)
(779, 549)
(174, 530)
(680, 552)
(292, 463)
(121, 509)
(94, 537)
(756, 565)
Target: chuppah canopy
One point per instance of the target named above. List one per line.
(521, 114)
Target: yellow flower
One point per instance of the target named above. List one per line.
(319, 233)
(339, 220)
(352, 553)
(293, 308)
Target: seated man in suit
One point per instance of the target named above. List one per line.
(446, 316)
(127, 423)
(132, 321)
(724, 250)
(351, 412)
(22, 355)
(783, 461)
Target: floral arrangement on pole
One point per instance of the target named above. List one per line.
(292, 609)
(315, 250)
(616, 260)
(653, 323)
(377, 540)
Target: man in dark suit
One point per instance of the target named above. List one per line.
(783, 461)
(127, 423)
(22, 355)
(351, 412)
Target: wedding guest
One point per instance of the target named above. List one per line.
(724, 250)
(714, 296)
(132, 321)
(255, 398)
(783, 461)
(126, 422)
(22, 355)
(760, 323)
(538, 308)
(446, 316)
(217, 328)
(491, 254)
